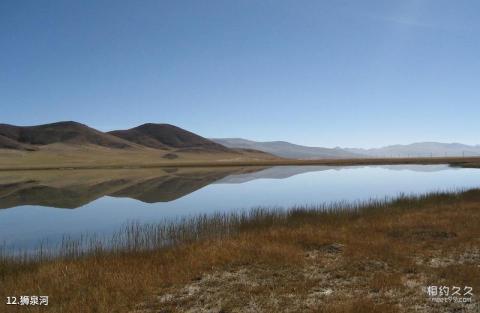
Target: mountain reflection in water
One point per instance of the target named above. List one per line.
(75, 188)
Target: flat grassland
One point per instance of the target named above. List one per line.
(372, 257)
(89, 157)
(93, 157)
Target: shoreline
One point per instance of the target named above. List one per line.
(378, 257)
(466, 162)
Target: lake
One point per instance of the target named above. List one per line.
(39, 206)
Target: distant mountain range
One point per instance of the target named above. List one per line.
(421, 149)
(171, 141)
(289, 150)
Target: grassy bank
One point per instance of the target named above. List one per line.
(370, 257)
(87, 162)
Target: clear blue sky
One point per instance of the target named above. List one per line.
(330, 73)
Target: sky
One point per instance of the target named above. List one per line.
(322, 73)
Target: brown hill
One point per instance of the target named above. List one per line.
(7, 143)
(73, 143)
(23, 138)
(160, 136)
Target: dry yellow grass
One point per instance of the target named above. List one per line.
(376, 258)
(94, 157)
(91, 157)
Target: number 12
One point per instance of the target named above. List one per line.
(11, 300)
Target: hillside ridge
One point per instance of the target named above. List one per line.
(65, 132)
(164, 137)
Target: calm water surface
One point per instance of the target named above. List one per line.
(38, 206)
